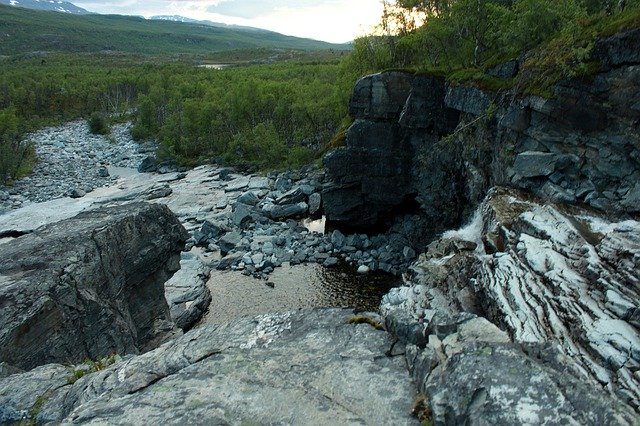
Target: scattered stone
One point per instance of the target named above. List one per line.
(315, 204)
(249, 198)
(103, 172)
(148, 165)
(288, 211)
(364, 269)
(77, 193)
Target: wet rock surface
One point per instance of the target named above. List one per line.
(88, 286)
(311, 367)
(549, 276)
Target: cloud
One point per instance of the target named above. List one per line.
(329, 20)
(250, 9)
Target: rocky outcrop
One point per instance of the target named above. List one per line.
(88, 286)
(308, 367)
(580, 146)
(558, 280)
(371, 175)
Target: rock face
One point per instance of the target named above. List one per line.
(559, 281)
(371, 175)
(308, 367)
(582, 146)
(88, 286)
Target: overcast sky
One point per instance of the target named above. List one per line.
(330, 20)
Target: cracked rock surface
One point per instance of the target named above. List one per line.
(550, 276)
(88, 286)
(307, 367)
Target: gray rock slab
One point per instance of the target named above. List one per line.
(307, 367)
(187, 293)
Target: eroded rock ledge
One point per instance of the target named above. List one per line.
(88, 286)
(307, 367)
(561, 282)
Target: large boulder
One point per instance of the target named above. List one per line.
(88, 286)
(323, 366)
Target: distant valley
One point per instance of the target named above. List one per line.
(24, 31)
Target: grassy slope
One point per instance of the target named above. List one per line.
(23, 31)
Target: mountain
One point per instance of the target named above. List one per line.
(26, 31)
(178, 18)
(51, 5)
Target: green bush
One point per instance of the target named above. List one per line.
(17, 157)
(98, 124)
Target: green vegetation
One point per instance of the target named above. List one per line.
(89, 366)
(259, 117)
(463, 39)
(98, 124)
(25, 31)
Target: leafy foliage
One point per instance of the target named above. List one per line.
(468, 37)
(260, 117)
(98, 124)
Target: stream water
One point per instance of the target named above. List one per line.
(294, 287)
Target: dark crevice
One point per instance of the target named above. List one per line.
(14, 233)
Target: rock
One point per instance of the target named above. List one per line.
(280, 212)
(103, 172)
(230, 260)
(210, 231)
(77, 193)
(148, 165)
(380, 96)
(88, 286)
(241, 215)
(155, 193)
(187, 292)
(337, 239)
(364, 269)
(619, 49)
(249, 198)
(238, 184)
(229, 242)
(467, 99)
(505, 70)
(538, 262)
(293, 196)
(315, 204)
(330, 261)
(283, 184)
(238, 373)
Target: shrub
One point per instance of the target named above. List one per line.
(98, 124)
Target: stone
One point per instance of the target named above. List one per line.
(283, 184)
(230, 260)
(505, 70)
(161, 192)
(337, 239)
(363, 269)
(534, 164)
(293, 196)
(330, 261)
(280, 212)
(380, 96)
(241, 215)
(187, 293)
(148, 165)
(249, 198)
(237, 184)
(315, 204)
(88, 286)
(229, 242)
(237, 373)
(103, 172)
(77, 193)
(539, 261)
(210, 230)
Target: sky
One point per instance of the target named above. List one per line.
(336, 21)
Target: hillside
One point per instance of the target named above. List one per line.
(23, 31)
(52, 5)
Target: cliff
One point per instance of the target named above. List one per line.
(420, 138)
